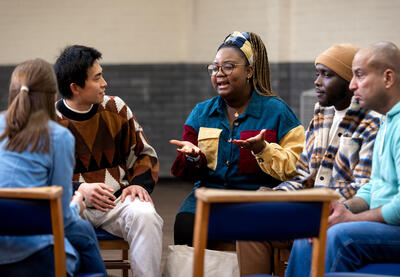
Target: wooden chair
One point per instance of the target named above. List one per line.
(261, 216)
(31, 211)
(108, 241)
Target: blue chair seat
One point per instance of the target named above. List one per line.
(104, 235)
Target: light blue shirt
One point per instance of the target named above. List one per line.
(383, 188)
(28, 169)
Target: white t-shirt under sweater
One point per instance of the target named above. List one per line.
(336, 120)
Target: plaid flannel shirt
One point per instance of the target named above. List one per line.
(344, 162)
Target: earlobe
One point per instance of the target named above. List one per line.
(250, 71)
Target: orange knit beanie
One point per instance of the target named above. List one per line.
(339, 59)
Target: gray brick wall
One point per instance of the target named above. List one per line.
(162, 95)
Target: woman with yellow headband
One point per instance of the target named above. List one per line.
(244, 138)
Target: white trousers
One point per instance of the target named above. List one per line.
(140, 225)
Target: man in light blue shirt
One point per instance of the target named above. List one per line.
(366, 228)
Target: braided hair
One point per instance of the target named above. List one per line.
(261, 75)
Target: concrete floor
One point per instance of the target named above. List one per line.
(167, 197)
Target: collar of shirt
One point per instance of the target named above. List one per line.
(253, 108)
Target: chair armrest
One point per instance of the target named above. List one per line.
(48, 192)
(220, 195)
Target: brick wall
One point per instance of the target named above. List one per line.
(162, 95)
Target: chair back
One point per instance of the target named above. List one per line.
(261, 216)
(34, 211)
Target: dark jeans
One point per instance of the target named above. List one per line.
(82, 237)
(349, 246)
(183, 228)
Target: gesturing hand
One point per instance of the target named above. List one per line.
(186, 147)
(98, 195)
(255, 144)
(134, 190)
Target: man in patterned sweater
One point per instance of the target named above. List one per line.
(338, 150)
(115, 167)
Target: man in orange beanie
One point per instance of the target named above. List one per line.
(338, 148)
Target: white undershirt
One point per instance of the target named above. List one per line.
(76, 111)
(336, 120)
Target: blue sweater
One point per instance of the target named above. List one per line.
(28, 169)
(383, 188)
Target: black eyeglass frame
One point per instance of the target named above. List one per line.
(212, 72)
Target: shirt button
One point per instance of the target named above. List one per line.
(321, 178)
(260, 160)
(229, 140)
(227, 163)
(236, 123)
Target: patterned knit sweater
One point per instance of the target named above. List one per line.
(111, 146)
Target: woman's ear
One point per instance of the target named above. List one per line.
(250, 71)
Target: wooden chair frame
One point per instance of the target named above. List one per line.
(52, 194)
(207, 197)
(117, 244)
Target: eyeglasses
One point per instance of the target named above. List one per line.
(227, 68)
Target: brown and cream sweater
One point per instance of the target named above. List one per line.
(111, 146)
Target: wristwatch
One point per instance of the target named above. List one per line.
(345, 205)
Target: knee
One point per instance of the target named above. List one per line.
(81, 226)
(143, 213)
(339, 234)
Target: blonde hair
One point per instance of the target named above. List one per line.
(31, 100)
(261, 75)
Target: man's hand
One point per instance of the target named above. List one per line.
(255, 144)
(134, 190)
(339, 214)
(186, 148)
(98, 195)
(264, 189)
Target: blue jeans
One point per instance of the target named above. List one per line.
(349, 246)
(83, 238)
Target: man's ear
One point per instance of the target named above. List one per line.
(75, 89)
(389, 77)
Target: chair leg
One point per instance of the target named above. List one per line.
(281, 257)
(125, 257)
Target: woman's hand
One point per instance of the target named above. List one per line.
(78, 199)
(255, 144)
(186, 148)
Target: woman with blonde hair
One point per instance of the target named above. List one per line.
(35, 151)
